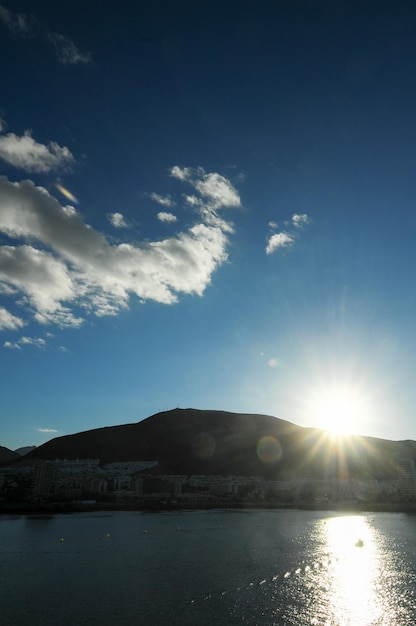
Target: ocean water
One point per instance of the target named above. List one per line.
(208, 567)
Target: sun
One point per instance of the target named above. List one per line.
(340, 408)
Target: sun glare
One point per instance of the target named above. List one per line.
(353, 587)
(338, 409)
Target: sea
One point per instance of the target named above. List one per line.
(208, 567)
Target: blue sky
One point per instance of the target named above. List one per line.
(207, 205)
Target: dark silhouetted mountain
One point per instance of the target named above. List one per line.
(190, 441)
(7, 455)
(25, 450)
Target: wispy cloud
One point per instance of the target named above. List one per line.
(27, 26)
(18, 24)
(38, 342)
(32, 341)
(47, 430)
(279, 240)
(66, 51)
(11, 345)
(60, 269)
(300, 220)
(25, 153)
(9, 321)
(117, 220)
(166, 217)
(163, 200)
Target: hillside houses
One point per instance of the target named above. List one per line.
(139, 483)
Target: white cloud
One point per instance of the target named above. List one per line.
(7, 289)
(61, 269)
(279, 240)
(181, 173)
(163, 200)
(300, 220)
(26, 341)
(11, 346)
(213, 187)
(286, 239)
(9, 321)
(117, 220)
(166, 217)
(47, 430)
(26, 153)
(193, 200)
(32, 341)
(22, 25)
(218, 189)
(44, 280)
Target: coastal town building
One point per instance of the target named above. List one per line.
(407, 477)
(139, 482)
(44, 479)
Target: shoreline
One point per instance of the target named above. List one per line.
(336, 507)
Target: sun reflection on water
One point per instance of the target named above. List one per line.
(354, 572)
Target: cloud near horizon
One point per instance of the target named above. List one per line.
(47, 430)
(58, 269)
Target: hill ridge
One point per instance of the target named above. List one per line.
(198, 441)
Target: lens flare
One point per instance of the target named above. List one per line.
(66, 193)
(269, 450)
